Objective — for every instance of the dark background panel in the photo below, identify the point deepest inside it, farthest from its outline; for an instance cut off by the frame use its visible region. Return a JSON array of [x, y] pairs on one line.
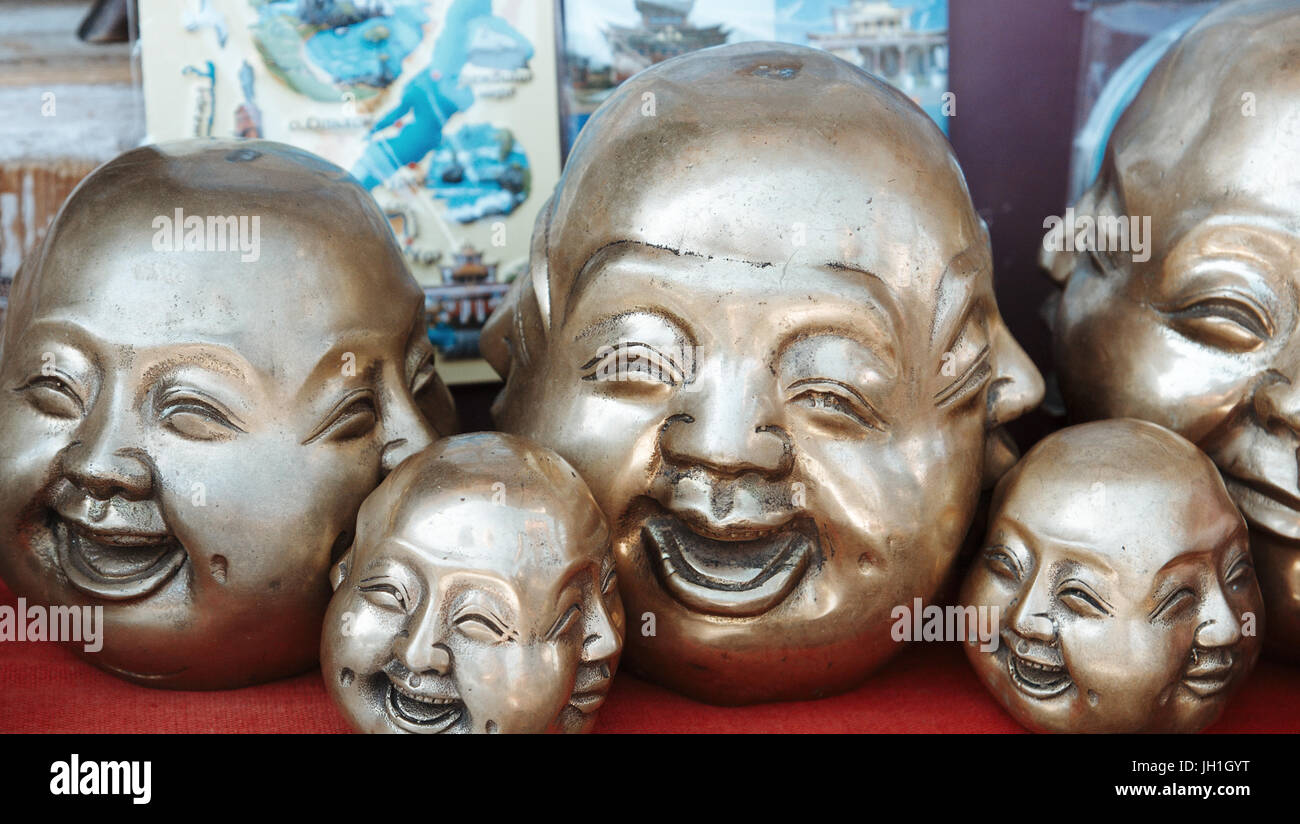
[[1013, 69]]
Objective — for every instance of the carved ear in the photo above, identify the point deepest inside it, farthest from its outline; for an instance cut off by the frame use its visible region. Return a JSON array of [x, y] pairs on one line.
[[1059, 264], [340, 570], [524, 315]]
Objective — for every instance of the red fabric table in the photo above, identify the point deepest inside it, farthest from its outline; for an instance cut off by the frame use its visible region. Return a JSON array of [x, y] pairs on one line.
[[929, 688]]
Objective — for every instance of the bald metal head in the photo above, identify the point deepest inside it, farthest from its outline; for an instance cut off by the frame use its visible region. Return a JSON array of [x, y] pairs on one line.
[[1222, 105], [1127, 489], [490, 500], [771, 154], [319, 234]]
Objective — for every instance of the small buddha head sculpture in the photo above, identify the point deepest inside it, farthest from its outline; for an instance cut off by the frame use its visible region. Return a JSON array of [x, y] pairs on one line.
[[1123, 583], [760, 321], [480, 596], [1199, 330], [214, 356]]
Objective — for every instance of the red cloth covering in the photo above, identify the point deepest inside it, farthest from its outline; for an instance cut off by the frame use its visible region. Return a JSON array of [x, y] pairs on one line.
[[929, 688]]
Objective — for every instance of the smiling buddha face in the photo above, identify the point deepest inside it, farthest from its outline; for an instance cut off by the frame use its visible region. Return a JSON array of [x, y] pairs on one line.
[[1204, 337], [1123, 580], [186, 435], [480, 596], [760, 322]]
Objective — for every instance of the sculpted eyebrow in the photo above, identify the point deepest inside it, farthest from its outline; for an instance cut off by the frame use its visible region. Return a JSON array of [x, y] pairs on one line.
[[964, 265], [840, 266], [606, 324]]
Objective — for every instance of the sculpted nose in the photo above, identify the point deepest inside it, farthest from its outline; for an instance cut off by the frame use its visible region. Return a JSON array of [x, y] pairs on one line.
[[603, 641], [1030, 617], [104, 474], [1278, 402], [420, 651], [730, 426], [1218, 627], [1018, 385], [104, 463], [408, 432]]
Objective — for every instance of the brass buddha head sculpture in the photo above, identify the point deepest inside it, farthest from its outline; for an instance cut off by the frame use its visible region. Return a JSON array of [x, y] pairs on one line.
[[760, 322], [1201, 331], [480, 596], [214, 356], [1122, 577]]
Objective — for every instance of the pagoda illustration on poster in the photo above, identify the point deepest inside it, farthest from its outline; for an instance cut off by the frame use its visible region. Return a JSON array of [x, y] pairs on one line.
[[905, 42]]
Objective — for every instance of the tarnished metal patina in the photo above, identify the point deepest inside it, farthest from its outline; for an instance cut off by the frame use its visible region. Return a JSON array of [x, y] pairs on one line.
[[1121, 574], [480, 596], [1200, 331], [759, 319], [216, 354]]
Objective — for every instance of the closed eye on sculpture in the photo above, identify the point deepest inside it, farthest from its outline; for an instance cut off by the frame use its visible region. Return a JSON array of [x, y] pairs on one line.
[[835, 402], [968, 383], [634, 362], [53, 396], [1240, 572], [1002, 563], [1174, 604], [384, 593], [197, 416], [1082, 599], [565, 622], [1233, 321], [480, 625], [353, 417]]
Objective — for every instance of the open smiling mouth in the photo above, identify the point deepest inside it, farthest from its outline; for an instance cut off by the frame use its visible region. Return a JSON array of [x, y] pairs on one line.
[[116, 565], [1036, 678], [727, 577], [421, 714]]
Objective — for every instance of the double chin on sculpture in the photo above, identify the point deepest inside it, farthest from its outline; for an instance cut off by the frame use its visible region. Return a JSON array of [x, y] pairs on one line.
[[187, 430], [761, 324]]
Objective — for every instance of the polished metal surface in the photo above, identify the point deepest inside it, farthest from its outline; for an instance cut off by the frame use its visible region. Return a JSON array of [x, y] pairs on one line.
[[480, 596], [1122, 576], [760, 321], [1204, 336], [191, 413]]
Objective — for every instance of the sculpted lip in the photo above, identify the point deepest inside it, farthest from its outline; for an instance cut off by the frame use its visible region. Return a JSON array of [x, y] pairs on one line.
[[1038, 676], [1210, 676], [421, 714], [588, 697], [590, 700], [742, 577], [116, 564]]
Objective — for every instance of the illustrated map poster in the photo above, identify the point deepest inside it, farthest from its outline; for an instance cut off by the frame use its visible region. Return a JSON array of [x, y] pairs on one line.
[[606, 41], [445, 110]]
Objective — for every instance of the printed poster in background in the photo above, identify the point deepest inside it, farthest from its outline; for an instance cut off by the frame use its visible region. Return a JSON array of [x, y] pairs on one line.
[[607, 41], [445, 110]]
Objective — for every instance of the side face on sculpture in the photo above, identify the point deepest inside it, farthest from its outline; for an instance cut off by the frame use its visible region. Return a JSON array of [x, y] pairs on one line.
[[214, 357], [480, 596], [1123, 582], [760, 322], [1201, 331]]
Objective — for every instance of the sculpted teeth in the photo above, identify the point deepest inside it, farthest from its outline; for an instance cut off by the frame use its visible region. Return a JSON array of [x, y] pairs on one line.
[[1037, 679], [116, 565]]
